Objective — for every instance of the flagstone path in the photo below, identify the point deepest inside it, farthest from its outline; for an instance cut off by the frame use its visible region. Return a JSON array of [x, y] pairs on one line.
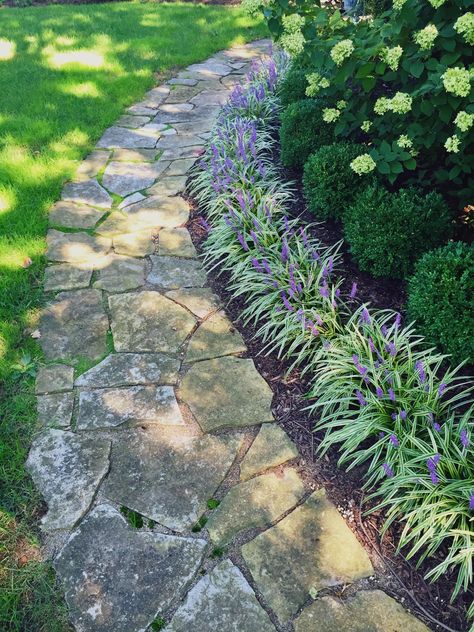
[[146, 406]]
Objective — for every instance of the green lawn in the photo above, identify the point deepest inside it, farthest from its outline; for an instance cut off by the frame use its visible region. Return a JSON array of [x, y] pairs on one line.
[[66, 73]]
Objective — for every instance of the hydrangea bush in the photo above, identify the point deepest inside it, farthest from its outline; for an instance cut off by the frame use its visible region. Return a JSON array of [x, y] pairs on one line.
[[406, 80]]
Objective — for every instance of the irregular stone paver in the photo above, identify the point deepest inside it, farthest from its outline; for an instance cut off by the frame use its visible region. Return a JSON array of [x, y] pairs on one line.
[[182, 81], [175, 272], [224, 601], [176, 242], [154, 212], [128, 369], [180, 167], [141, 109], [367, 611], [199, 300], [87, 192], [148, 321], [74, 215], [169, 474], [254, 504], [124, 178], [167, 186], [135, 155], [210, 68], [180, 94], [109, 407], [92, 164], [55, 378], [137, 244], [75, 324], [174, 142], [55, 409], [67, 469], [131, 199], [156, 96], [124, 138], [120, 273], [133, 121], [271, 447], [310, 549], [174, 108], [227, 392], [66, 277], [211, 97], [215, 337], [119, 578], [77, 248], [177, 153]]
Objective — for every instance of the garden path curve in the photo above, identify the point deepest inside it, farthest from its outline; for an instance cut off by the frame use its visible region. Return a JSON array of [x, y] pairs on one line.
[[174, 500]]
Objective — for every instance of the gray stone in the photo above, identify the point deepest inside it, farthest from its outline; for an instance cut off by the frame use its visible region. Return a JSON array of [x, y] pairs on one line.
[[178, 153], [131, 199], [74, 216], [137, 244], [176, 272], [227, 392], [181, 94], [172, 142], [168, 474], [55, 378], [124, 138], [77, 248], [75, 324], [311, 549], [133, 121], [176, 242], [119, 578], [135, 155], [199, 301], [209, 68], [196, 127], [272, 447], [211, 97], [215, 337], [208, 113], [55, 409], [182, 81], [367, 611], [139, 109], [175, 108], [167, 186], [180, 167], [67, 469], [221, 600], [124, 178], [87, 192], [65, 277], [110, 407], [120, 273], [156, 96], [92, 164], [254, 504], [127, 369], [148, 321]]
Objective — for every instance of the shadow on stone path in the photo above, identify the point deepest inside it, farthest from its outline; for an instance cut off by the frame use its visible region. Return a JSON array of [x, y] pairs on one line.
[[146, 406]]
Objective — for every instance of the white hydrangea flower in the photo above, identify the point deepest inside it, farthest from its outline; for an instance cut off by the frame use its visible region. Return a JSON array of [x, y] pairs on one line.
[[330, 115], [457, 81], [341, 104], [398, 4], [366, 125], [404, 142], [436, 3], [401, 103], [363, 164], [341, 51], [391, 56], [426, 37], [464, 121], [464, 25], [452, 144], [382, 105], [316, 82]]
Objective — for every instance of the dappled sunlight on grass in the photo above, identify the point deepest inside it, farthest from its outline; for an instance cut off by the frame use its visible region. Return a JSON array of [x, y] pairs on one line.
[[87, 58], [7, 49]]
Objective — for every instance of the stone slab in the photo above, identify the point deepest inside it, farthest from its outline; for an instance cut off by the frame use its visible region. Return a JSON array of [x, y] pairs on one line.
[[123, 178], [255, 504], [311, 549], [175, 108], [182, 94], [156, 96], [110, 407], [66, 277], [87, 192], [76, 248], [178, 153], [137, 244], [92, 164], [67, 469], [168, 186], [201, 301], [271, 447], [176, 242], [135, 155], [182, 81], [74, 215], [128, 369], [173, 142], [195, 127], [148, 321], [227, 392], [222, 600], [74, 325], [154, 212], [209, 68], [140, 109], [211, 97], [55, 378], [215, 337], [120, 273], [119, 578], [131, 199], [367, 611], [180, 167], [175, 272], [123, 138], [133, 120], [55, 410], [168, 473]]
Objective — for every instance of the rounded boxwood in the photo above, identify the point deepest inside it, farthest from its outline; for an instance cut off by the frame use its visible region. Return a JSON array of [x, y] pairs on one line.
[[387, 232], [293, 87], [303, 131], [441, 299], [329, 184]]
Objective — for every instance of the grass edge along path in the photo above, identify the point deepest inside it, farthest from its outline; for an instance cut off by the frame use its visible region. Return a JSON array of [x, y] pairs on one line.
[[66, 73]]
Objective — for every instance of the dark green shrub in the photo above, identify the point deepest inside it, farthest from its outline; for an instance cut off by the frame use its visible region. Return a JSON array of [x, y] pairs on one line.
[[303, 131], [387, 232], [376, 7], [293, 86], [441, 299], [328, 181]]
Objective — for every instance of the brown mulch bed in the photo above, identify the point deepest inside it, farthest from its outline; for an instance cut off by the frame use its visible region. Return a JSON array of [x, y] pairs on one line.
[[397, 576]]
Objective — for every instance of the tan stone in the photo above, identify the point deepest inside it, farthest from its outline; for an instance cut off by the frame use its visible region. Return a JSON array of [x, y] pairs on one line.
[[137, 244], [65, 276], [120, 273], [81, 249], [272, 447], [176, 242], [74, 215], [199, 300], [215, 337]]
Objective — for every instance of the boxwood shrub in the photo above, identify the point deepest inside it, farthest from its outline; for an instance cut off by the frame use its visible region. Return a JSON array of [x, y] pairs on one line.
[[329, 185], [387, 232], [293, 86], [441, 299], [303, 131]]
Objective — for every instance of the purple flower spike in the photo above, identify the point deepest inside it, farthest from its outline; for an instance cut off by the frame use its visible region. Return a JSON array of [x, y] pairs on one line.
[[324, 291], [471, 502], [242, 241], [365, 316], [464, 438], [431, 465], [391, 349], [257, 265], [421, 371], [398, 320], [436, 426], [394, 440], [384, 330], [388, 470], [391, 394], [403, 414], [379, 392], [284, 251], [205, 224], [286, 302], [360, 398], [394, 416], [353, 290], [441, 389], [372, 346]]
